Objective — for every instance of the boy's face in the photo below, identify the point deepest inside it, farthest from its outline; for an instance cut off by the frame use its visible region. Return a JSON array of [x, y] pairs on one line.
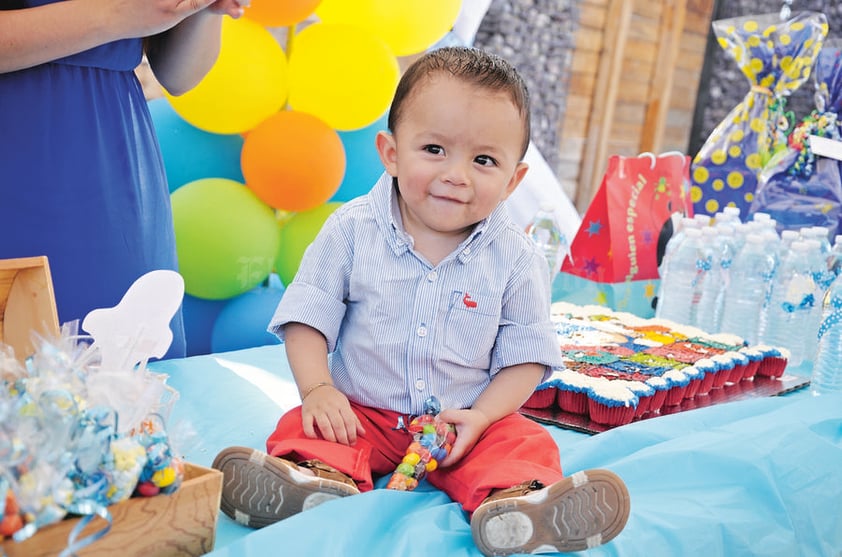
[[456, 154]]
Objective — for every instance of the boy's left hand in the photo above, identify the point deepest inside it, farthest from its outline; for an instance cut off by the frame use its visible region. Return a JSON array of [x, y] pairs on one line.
[[470, 425]]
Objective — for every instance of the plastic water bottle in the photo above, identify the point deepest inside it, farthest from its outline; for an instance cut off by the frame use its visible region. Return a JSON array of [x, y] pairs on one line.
[[681, 287], [751, 276], [827, 371], [547, 235], [709, 315], [785, 322], [823, 278]]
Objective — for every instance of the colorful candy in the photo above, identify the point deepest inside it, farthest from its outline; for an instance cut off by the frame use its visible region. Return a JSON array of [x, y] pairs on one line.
[[432, 440]]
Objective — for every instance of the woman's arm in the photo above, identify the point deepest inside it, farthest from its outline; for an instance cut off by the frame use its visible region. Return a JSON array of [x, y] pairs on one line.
[[181, 56], [33, 36]]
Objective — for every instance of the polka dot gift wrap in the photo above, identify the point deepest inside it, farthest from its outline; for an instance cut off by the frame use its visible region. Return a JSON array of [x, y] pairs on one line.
[[777, 57]]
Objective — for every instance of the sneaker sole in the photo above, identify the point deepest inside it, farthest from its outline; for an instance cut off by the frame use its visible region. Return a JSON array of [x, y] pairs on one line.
[[581, 511], [259, 490]]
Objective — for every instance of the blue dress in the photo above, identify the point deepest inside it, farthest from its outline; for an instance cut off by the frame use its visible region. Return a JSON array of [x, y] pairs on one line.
[[82, 180]]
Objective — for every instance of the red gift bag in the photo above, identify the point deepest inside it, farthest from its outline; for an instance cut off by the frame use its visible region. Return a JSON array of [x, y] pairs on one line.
[[615, 254]]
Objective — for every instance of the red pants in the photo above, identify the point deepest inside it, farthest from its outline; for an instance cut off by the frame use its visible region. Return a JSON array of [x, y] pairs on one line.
[[511, 451]]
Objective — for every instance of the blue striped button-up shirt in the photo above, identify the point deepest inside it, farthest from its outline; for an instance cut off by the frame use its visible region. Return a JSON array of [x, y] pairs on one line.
[[399, 329]]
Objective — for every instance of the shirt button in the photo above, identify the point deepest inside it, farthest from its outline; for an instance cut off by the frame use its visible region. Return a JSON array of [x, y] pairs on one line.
[[420, 384], [421, 331], [466, 251], [432, 276]]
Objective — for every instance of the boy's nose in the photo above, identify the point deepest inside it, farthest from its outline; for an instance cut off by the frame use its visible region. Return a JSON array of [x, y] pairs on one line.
[[456, 173]]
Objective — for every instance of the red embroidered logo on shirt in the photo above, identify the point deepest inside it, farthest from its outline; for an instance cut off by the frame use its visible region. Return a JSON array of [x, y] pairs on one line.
[[469, 303]]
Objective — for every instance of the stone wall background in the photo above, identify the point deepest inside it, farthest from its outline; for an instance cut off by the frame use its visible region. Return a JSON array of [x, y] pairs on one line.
[[537, 37], [723, 85]]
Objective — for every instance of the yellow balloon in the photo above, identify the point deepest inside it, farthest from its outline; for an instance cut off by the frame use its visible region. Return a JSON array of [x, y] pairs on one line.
[[247, 83], [407, 26], [341, 74]]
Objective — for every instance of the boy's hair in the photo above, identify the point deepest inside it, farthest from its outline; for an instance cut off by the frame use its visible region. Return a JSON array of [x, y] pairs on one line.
[[473, 66]]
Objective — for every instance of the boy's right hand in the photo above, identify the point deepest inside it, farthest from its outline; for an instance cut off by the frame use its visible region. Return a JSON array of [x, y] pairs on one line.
[[330, 411]]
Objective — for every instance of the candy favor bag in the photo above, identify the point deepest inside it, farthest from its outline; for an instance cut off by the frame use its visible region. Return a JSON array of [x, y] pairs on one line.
[[777, 57], [615, 254], [798, 188]]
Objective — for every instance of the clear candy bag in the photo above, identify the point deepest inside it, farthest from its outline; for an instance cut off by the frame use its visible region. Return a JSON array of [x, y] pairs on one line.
[[777, 57], [797, 188]]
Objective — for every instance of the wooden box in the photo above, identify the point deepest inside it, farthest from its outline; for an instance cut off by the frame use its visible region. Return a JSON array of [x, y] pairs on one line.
[[182, 523], [27, 303]]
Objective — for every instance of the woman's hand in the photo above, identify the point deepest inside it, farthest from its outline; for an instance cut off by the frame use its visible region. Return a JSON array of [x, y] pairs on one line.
[[327, 409]]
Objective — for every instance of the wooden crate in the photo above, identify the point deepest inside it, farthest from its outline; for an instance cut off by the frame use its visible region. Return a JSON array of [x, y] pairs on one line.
[[27, 303], [182, 523]]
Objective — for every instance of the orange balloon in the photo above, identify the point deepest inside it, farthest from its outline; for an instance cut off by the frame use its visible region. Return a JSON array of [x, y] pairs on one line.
[[293, 161], [280, 13]]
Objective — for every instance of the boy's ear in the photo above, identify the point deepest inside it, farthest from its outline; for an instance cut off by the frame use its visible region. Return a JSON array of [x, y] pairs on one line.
[[388, 151], [517, 177]]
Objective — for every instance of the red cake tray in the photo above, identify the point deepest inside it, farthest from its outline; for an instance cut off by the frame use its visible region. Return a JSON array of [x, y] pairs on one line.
[[758, 386]]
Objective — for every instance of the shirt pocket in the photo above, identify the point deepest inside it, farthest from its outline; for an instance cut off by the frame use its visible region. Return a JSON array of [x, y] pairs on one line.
[[471, 326]]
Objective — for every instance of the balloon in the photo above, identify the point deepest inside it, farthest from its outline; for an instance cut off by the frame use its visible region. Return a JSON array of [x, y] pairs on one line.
[[243, 320], [247, 83], [296, 234], [293, 161], [363, 166], [190, 153], [225, 236], [277, 13], [341, 74], [408, 26], [199, 317]]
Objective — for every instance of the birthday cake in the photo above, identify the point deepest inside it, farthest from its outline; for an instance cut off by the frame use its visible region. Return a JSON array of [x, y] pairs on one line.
[[619, 366]]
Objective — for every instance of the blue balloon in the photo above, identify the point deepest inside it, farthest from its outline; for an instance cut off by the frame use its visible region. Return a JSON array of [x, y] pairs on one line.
[[363, 166], [243, 320], [190, 153], [199, 317]]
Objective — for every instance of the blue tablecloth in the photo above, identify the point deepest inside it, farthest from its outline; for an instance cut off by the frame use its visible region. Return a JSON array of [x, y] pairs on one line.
[[754, 477]]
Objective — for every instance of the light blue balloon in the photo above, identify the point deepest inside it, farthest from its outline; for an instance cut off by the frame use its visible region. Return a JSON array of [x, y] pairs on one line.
[[362, 166], [243, 320], [199, 317], [190, 153]]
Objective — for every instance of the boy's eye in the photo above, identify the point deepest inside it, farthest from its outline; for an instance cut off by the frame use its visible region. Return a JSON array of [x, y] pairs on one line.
[[485, 160], [434, 149]]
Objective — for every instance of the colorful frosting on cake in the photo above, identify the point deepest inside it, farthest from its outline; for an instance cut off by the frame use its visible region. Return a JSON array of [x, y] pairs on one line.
[[620, 366]]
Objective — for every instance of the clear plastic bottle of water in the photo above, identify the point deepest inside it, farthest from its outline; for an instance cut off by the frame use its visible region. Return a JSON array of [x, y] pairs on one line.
[[785, 322], [751, 276], [547, 235], [709, 315], [827, 371], [681, 287], [823, 278]]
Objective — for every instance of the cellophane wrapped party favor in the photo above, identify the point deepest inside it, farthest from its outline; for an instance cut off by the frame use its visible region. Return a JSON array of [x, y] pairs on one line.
[[797, 188], [777, 57], [79, 433]]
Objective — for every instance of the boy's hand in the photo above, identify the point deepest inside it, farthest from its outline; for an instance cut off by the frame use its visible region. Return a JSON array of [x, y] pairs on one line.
[[470, 425], [327, 409]]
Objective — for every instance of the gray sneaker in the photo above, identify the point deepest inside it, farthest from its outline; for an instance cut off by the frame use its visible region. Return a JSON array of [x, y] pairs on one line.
[[581, 511], [259, 490]]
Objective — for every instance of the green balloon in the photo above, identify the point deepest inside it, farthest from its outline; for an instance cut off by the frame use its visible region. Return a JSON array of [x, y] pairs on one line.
[[296, 234], [225, 235]]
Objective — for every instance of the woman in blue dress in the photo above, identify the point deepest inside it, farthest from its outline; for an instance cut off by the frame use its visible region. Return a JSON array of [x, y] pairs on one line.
[[81, 175]]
